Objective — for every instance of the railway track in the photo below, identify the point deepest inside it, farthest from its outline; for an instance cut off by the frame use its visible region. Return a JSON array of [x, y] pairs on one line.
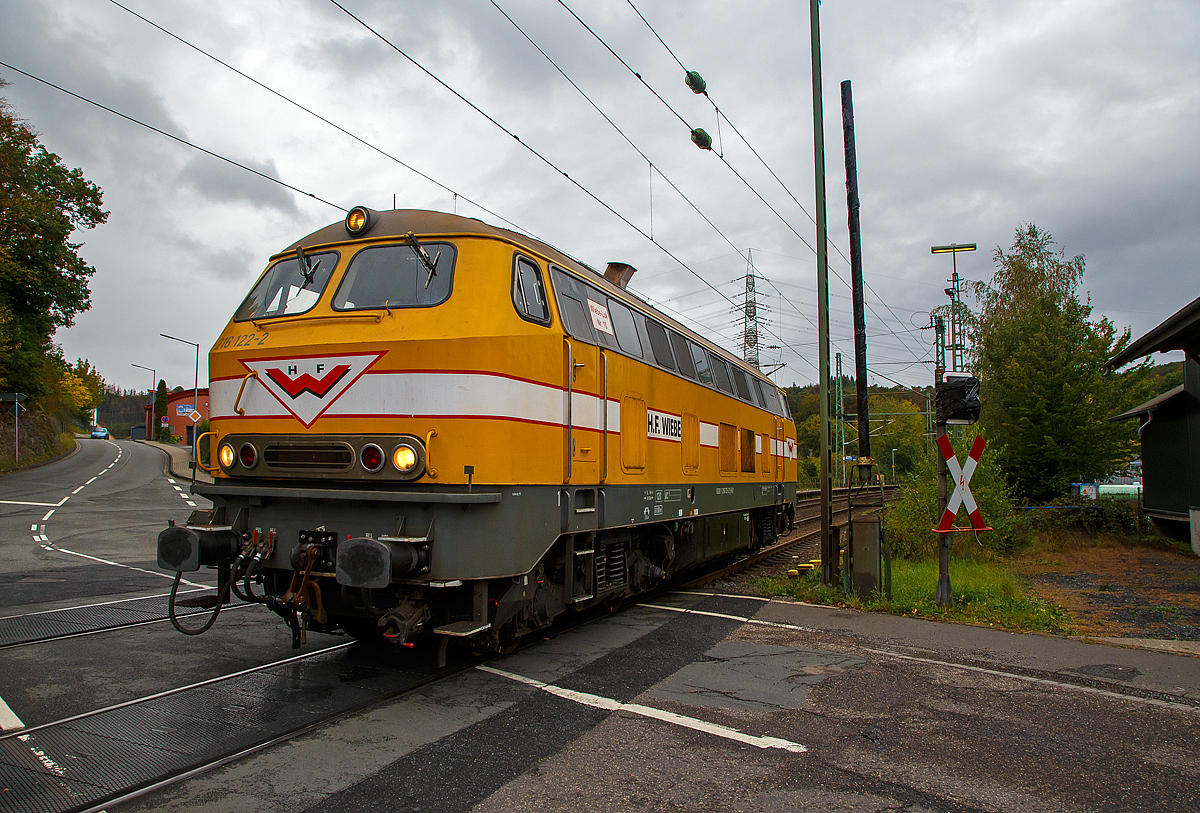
[[797, 547], [89, 619], [91, 760]]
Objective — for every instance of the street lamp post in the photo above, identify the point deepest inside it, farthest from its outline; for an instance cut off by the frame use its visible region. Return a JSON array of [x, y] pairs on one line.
[[153, 382], [196, 395]]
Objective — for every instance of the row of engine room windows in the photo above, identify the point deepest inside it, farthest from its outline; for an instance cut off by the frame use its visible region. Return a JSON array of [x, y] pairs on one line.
[[592, 316]]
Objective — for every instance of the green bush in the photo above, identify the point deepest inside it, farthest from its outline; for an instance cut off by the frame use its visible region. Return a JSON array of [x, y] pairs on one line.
[[912, 512]]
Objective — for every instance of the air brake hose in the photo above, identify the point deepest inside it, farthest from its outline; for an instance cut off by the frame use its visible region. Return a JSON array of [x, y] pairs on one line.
[[222, 591]]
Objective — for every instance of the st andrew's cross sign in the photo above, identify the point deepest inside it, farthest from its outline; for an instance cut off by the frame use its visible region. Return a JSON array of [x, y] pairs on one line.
[[962, 487]]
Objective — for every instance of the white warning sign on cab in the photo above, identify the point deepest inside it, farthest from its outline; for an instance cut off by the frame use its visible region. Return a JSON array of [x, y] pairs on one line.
[[600, 319]]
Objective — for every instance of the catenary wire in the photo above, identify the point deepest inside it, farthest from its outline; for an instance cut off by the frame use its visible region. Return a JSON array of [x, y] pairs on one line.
[[721, 156], [316, 115], [174, 137], [620, 132], [529, 148]]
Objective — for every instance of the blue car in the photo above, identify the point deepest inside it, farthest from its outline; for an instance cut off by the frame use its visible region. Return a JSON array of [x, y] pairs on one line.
[[100, 432]]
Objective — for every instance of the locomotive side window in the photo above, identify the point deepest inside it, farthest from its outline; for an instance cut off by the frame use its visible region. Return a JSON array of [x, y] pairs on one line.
[[701, 360], [576, 319], [660, 344], [529, 294], [289, 287], [721, 374], [622, 320], [682, 355], [739, 381], [768, 401], [395, 277], [601, 318]]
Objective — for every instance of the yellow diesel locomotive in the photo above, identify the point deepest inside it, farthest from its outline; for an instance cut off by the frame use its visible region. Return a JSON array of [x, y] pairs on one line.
[[423, 424]]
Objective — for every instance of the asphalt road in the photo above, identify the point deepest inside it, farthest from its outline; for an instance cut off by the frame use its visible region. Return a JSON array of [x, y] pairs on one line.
[[714, 703], [80, 533], [692, 701], [85, 527]]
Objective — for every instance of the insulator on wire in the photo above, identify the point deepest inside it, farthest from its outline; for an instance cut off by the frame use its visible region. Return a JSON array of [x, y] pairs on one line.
[[695, 81], [701, 139]]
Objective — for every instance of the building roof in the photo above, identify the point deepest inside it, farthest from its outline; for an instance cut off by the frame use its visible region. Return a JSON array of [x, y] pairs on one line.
[[1179, 332], [1150, 405]]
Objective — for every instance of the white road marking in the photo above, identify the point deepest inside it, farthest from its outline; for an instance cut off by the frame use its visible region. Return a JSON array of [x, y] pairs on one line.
[[595, 701], [9, 721], [169, 480], [127, 567], [763, 599], [887, 653], [192, 504], [76, 491], [48, 515], [33, 527], [38, 504], [89, 482], [1044, 681]]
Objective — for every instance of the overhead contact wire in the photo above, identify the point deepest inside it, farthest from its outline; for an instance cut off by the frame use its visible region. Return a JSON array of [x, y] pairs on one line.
[[784, 186], [174, 137], [532, 151], [316, 115], [620, 132]]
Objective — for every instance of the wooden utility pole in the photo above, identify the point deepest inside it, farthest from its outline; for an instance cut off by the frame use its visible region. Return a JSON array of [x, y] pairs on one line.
[[830, 549]]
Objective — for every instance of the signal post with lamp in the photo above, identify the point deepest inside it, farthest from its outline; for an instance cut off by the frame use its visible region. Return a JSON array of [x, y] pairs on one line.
[[956, 401]]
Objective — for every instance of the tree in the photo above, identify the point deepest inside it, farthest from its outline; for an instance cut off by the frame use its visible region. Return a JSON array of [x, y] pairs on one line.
[[160, 408], [1039, 356], [43, 280]]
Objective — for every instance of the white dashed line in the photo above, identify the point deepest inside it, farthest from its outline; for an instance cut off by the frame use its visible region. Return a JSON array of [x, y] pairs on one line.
[[595, 701], [89, 482], [192, 504], [33, 527], [76, 491], [48, 514]]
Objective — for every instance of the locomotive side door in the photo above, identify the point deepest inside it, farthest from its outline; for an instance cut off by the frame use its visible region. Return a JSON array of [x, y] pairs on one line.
[[780, 450], [583, 388]]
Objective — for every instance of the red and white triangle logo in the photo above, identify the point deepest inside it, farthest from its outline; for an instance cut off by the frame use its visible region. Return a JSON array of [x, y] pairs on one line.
[[309, 385]]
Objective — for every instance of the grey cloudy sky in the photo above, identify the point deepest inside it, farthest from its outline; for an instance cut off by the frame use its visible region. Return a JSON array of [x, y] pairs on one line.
[[971, 119]]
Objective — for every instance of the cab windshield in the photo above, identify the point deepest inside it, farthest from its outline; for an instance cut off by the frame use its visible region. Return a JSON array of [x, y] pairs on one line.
[[290, 286]]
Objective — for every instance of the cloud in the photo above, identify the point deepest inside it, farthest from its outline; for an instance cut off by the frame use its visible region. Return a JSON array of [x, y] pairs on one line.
[[222, 182]]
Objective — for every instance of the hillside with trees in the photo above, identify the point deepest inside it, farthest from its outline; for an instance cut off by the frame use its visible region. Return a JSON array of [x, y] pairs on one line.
[[43, 287]]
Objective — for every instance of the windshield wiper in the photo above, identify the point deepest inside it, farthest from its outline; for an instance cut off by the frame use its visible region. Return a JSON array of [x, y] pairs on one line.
[[307, 269], [423, 256]]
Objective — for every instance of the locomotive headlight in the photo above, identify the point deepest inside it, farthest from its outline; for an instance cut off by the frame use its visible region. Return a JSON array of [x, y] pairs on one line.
[[225, 456], [358, 220], [405, 459]]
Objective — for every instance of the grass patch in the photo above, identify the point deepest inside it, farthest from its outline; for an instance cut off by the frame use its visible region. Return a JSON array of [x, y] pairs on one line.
[[985, 593]]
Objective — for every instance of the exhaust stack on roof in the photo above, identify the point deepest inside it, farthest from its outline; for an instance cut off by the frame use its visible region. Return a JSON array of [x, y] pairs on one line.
[[619, 274]]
